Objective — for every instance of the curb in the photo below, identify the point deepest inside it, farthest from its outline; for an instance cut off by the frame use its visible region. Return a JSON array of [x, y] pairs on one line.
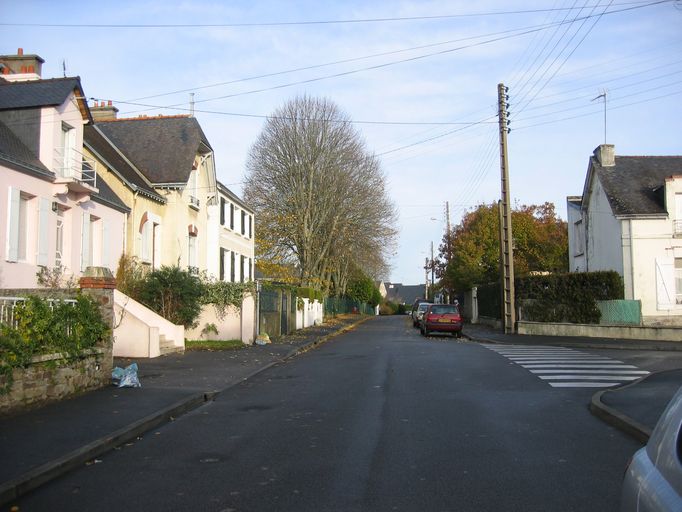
[[617, 419], [15, 488]]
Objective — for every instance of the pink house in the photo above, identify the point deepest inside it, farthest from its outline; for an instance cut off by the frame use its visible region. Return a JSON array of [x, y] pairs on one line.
[[53, 209]]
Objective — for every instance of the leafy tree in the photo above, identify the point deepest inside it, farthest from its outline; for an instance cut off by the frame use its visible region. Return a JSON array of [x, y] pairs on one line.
[[362, 289], [540, 244], [320, 197]]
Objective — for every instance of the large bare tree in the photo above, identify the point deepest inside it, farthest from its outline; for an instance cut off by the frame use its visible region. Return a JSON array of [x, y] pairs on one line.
[[319, 196]]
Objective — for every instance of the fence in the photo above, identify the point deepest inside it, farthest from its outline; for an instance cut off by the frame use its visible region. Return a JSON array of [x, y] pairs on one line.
[[341, 305], [8, 306], [620, 312]]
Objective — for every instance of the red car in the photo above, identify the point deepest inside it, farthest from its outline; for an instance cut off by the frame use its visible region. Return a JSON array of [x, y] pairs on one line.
[[442, 318]]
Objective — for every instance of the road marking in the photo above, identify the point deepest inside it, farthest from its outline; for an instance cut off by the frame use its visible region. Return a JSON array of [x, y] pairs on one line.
[[562, 367]]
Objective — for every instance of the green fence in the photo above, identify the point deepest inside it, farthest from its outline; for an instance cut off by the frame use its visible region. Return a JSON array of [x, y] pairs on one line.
[[340, 305], [620, 312]]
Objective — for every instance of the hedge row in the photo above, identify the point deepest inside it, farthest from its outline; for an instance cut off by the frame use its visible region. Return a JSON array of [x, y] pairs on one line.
[[568, 297]]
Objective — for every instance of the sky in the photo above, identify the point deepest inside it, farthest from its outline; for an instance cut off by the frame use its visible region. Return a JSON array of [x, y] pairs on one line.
[[418, 78]]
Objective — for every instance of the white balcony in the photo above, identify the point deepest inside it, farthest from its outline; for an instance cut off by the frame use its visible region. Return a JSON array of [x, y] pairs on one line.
[[194, 203], [677, 228], [75, 170]]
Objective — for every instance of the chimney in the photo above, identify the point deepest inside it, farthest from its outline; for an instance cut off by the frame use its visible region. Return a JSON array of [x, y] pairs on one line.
[[28, 66], [605, 155], [104, 111]]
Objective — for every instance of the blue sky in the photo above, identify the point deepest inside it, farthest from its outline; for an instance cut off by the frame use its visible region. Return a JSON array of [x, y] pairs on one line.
[[409, 74]]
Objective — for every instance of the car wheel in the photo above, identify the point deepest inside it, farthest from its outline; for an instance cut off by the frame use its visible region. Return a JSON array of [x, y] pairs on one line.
[[458, 334]]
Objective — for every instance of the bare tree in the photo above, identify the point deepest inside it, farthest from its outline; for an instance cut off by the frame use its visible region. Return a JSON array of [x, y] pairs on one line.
[[319, 196]]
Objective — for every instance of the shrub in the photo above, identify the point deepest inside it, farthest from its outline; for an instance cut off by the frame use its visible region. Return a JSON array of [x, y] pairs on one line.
[[223, 295], [175, 294], [66, 328]]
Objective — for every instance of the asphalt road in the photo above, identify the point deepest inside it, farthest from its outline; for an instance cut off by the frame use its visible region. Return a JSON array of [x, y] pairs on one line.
[[379, 419]]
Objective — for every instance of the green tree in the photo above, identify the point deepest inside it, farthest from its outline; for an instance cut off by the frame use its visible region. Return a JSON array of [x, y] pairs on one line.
[[540, 244], [362, 289]]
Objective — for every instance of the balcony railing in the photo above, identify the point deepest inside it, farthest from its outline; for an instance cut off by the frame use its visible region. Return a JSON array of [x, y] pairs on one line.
[[194, 202], [71, 165], [677, 228]]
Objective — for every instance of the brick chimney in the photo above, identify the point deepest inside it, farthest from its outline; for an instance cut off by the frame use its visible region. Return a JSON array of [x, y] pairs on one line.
[[103, 112], [605, 155], [26, 67]]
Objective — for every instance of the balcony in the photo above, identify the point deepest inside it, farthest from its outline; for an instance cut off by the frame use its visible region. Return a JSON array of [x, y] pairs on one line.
[[194, 203], [75, 170]]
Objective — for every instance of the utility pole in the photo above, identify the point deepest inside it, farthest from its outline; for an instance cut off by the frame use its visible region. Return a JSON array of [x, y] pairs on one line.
[[506, 248], [448, 245], [432, 264], [426, 278]]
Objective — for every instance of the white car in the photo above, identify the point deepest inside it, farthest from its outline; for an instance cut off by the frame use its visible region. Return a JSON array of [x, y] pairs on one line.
[[653, 480]]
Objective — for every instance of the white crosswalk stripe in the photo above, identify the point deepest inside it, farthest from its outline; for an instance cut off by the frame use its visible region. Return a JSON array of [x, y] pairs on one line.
[[564, 367]]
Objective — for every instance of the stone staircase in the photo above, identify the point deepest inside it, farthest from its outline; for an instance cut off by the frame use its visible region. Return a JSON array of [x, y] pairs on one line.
[[168, 347]]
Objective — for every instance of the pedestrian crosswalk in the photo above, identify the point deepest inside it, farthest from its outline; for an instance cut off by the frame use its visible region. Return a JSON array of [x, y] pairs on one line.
[[564, 367]]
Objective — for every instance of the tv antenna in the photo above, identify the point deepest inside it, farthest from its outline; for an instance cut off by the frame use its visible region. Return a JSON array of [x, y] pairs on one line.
[[603, 95]]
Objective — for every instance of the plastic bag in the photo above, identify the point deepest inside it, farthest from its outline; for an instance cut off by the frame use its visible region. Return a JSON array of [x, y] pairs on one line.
[[126, 377]]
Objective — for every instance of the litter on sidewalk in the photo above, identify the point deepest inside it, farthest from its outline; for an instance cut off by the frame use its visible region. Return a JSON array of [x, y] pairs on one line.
[[126, 377]]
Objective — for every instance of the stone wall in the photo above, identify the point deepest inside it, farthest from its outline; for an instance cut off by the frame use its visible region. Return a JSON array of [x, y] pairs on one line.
[[50, 378]]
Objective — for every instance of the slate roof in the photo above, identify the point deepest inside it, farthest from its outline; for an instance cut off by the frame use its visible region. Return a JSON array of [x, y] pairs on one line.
[[400, 293], [37, 93], [99, 144], [635, 185], [163, 147], [108, 197], [14, 152]]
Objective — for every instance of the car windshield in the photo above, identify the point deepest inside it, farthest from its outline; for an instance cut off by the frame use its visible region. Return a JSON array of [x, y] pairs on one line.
[[443, 309], [423, 306]]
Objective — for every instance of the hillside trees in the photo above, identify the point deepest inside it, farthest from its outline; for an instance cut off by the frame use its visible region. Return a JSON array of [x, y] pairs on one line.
[[319, 196], [540, 244]]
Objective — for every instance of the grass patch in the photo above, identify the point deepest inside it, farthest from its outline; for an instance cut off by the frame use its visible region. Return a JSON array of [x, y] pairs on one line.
[[213, 344]]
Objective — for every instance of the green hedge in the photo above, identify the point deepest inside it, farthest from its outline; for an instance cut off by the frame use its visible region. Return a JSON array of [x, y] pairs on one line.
[[567, 297], [309, 293]]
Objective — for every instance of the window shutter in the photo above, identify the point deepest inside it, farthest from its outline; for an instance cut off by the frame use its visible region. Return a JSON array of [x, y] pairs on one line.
[[85, 242], [222, 264], [231, 216], [13, 225], [665, 283], [106, 245], [43, 231], [222, 211]]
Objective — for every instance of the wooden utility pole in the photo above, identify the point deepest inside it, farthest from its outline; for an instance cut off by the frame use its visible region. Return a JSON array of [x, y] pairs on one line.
[[506, 245], [426, 278]]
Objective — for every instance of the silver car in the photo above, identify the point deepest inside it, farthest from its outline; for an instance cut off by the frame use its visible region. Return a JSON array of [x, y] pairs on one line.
[[653, 480]]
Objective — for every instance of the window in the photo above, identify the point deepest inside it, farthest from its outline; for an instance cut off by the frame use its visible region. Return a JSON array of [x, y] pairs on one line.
[[678, 280], [578, 238], [17, 225], [59, 245], [192, 251], [146, 242], [68, 161], [232, 259]]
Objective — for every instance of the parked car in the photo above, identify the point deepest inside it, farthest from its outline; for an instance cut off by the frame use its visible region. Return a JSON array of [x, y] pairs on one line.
[[418, 312], [441, 318], [653, 479]]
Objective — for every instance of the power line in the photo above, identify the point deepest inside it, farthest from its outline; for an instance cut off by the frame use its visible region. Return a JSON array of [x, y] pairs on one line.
[[519, 32], [295, 23]]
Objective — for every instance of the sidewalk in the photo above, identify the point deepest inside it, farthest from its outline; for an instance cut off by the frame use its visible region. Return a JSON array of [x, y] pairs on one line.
[[634, 407], [44, 443]]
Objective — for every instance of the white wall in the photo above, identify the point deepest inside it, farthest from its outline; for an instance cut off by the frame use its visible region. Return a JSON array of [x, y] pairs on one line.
[[603, 230], [22, 274]]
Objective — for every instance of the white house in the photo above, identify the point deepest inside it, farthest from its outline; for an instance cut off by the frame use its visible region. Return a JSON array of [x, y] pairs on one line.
[[53, 210], [629, 219]]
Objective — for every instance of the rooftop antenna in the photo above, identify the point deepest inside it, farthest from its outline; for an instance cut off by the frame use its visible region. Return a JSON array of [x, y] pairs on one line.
[[64, 67], [191, 104], [603, 95]]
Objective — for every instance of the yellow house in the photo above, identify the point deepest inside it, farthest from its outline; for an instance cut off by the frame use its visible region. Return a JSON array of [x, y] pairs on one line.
[[163, 169]]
